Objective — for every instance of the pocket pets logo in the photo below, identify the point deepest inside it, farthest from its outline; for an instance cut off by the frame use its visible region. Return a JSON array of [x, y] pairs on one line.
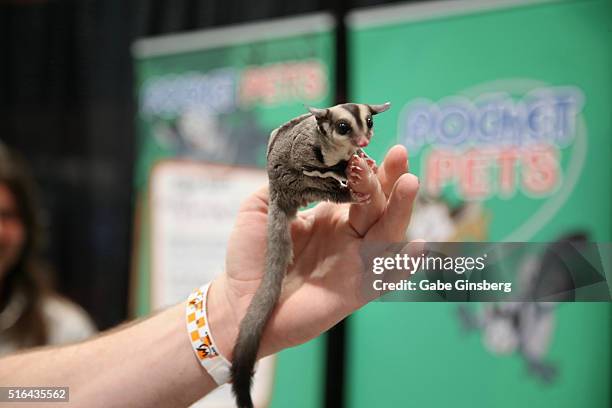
[[518, 142]]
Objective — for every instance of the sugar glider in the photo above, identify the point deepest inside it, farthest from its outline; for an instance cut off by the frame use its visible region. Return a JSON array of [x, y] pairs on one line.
[[528, 325], [308, 160]]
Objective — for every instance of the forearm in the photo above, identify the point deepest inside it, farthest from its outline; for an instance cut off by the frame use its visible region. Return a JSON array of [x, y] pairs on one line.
[[148, 364]]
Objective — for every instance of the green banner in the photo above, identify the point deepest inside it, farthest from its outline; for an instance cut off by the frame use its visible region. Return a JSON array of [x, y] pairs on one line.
[[505, 110], [207, 102]]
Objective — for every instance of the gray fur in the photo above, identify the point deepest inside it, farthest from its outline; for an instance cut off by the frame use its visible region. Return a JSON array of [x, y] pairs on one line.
[[296, 177]]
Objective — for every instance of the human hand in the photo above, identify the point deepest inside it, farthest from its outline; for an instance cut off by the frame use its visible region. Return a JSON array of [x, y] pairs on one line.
[[323, 284]]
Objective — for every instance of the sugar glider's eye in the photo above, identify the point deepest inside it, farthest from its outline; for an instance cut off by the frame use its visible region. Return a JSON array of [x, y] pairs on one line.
[[369, 122], [343, 128]]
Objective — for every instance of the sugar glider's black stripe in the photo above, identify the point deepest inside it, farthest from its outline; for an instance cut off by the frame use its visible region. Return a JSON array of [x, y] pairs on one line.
[[338, 168], [318, 153], [354, 110]]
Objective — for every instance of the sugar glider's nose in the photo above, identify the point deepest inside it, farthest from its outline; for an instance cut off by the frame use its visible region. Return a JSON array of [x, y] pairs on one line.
[[362, 142]]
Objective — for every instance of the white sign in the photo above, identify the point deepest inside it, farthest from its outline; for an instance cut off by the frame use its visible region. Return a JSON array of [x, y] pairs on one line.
[[193, 208]]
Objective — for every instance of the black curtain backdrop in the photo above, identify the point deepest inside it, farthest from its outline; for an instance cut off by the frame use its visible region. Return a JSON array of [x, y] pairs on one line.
[[66, 104]]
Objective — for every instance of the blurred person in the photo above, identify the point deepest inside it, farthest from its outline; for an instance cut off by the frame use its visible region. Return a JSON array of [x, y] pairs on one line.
[[31, 312]]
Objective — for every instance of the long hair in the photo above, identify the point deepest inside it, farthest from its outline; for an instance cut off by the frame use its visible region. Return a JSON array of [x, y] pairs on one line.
[[28, 276]]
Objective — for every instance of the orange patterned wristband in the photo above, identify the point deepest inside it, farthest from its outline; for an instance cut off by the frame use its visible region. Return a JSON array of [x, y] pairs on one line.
[[201, 338]]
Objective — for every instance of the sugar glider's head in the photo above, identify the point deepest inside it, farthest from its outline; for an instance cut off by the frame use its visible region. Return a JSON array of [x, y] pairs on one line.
[[348, 123]]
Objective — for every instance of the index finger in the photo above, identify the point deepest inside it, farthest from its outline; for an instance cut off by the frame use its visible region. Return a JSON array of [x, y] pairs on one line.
[[257, 201], [394, 165]]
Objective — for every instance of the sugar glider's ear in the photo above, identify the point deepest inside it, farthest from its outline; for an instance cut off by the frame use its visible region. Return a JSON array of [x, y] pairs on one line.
[[319, 114], [375, 109]]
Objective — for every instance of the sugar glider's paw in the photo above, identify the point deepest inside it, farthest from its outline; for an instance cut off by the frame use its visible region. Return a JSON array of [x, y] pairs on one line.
[[369, 161], [371, 164], [354, 170], [365, 188], [359, 176]]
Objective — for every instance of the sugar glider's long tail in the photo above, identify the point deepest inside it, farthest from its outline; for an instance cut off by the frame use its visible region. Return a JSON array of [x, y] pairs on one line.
[[278, 257]]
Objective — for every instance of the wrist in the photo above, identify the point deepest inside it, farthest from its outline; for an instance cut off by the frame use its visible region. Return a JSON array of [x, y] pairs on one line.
[[221, 319]]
